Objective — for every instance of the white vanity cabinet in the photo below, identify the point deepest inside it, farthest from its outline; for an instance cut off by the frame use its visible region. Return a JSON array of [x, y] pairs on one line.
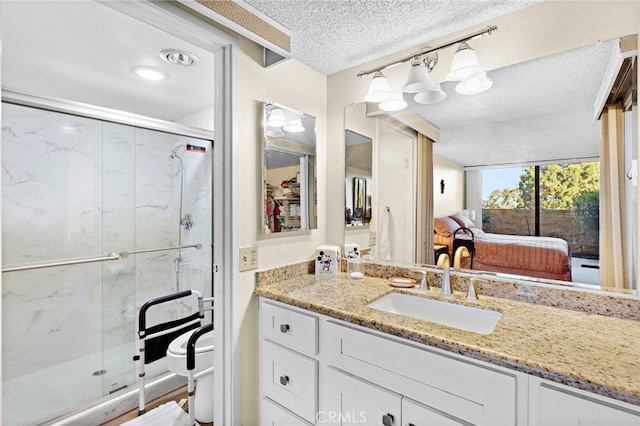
[[552, 404], [317, 370], [351, 401], [438, 387], [288, 365]]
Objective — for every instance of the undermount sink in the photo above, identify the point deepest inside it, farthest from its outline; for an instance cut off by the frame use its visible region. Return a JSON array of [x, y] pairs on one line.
[[476, 320]]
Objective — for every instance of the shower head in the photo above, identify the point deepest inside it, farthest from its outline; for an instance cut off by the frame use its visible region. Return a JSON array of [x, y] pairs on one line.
[[174, 153]]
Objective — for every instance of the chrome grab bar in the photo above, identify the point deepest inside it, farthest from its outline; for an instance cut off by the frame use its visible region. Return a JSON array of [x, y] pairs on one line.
[[110, 256], [125, 254]]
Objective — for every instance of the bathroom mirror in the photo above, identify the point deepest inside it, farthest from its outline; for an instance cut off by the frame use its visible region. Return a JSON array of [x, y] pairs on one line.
[[358, 179], [524, 146], [359, 145], [289, 170]]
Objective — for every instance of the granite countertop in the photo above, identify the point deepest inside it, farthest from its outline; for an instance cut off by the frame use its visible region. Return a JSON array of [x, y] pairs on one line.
[[591, 352]]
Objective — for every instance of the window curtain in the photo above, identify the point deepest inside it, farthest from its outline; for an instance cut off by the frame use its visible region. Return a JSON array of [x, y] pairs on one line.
[[613, 265], [473, 195], [424, 205]]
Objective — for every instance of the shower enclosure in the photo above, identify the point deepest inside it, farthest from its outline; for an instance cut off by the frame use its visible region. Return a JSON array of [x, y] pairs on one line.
[[133, 207]]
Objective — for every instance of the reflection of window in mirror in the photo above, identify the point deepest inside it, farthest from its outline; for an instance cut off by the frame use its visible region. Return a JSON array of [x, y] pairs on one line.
[[358, 176], [289, 170]]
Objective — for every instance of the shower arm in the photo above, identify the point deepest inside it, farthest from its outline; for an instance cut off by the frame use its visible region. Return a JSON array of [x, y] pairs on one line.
[[125, 254]]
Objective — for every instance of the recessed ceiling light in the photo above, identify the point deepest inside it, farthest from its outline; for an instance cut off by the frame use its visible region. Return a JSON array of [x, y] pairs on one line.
[[151, 74], [179, 57]]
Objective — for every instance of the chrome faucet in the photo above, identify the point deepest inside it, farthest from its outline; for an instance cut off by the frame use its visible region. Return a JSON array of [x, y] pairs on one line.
[[461, 252], [446, 282], [443, 260], [423, 282], [471, 291]]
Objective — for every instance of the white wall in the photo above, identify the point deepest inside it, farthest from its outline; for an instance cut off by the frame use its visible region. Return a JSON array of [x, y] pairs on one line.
[[299, 87], [395, 187], [452, 200]]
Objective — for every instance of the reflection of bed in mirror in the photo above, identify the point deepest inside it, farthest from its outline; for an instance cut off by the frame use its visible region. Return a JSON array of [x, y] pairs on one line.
[[540, 257]]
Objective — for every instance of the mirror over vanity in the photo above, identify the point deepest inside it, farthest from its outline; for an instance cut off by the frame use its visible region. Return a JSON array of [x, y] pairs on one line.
[[289, 200], [495, 130], [358, 178]]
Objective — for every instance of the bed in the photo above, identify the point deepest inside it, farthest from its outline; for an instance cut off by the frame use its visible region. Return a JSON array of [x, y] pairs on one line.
[[540, 257]]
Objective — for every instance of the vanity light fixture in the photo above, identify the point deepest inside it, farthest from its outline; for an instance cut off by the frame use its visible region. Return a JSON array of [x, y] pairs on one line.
[[465, 63], [278, 122], [378, 89], [276, 118], [395, 103], [464, 68], [294, 126]]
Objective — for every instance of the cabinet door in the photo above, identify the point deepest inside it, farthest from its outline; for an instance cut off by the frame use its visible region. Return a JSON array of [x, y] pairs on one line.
[[416, 414], [466, 391], [272, 414], [351, 401], [552, 404]]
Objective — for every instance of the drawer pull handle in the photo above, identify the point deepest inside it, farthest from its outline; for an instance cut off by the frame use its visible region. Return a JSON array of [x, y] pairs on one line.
[[284, 328], [284, 380], [387, 420]]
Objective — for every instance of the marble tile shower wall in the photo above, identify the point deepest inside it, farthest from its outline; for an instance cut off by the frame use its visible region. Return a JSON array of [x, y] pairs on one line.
[[75, 187]]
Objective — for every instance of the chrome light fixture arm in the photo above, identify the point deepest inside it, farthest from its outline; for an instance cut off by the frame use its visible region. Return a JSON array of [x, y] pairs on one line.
[[426, 50]]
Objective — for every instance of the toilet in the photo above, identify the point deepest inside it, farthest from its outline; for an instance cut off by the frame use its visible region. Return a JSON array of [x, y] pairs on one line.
[[177, 363]]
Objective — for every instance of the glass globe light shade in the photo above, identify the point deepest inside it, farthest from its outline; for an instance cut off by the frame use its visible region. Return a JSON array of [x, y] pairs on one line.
[[378, 89], [430, 96], [394, 103], [294, 126], [465, 64], [474, 85], [276, 118], [419, 79]]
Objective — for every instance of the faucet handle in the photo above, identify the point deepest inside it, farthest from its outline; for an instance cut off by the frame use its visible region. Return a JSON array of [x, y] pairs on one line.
[[471, 291], [445, 290], [424, 285]]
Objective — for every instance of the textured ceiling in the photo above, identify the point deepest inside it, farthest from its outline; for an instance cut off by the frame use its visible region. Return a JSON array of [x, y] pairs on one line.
[[333, 35], [536, 111], [49, 51]]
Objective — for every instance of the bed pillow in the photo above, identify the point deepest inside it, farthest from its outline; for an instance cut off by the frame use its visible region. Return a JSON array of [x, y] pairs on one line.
[[462, 221], [445, 226]]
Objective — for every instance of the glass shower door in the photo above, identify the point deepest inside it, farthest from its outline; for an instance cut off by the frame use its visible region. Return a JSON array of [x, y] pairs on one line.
[[76, 188], [51, 211]]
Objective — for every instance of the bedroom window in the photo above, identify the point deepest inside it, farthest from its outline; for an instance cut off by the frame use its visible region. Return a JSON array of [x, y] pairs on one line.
[[553, 200]]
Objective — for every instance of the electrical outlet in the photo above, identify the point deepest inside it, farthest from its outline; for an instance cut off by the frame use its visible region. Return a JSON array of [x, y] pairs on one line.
[[248, 258], [372, 238]]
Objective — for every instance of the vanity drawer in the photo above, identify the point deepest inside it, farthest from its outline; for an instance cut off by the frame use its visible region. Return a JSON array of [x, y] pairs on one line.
[[290, 379], [463, 390], [272, 414], [290, 328]]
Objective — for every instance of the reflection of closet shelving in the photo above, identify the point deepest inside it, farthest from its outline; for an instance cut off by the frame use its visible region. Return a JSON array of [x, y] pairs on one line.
[[290, 207], [290, 210]]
